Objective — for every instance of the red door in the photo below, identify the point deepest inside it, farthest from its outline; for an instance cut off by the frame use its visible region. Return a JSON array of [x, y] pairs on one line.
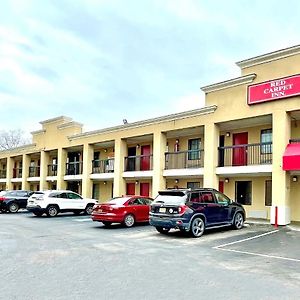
[[144, 189], [239, 154], [221, 186], [145, 159], [130, 189]]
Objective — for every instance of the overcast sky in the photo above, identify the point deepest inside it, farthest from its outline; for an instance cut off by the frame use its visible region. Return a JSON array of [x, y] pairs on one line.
[[100, 61]]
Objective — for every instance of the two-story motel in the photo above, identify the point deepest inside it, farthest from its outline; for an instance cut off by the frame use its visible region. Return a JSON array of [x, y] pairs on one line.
[[245, 142]]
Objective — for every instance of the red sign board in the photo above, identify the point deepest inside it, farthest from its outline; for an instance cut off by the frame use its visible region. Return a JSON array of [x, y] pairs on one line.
[[273, 90]]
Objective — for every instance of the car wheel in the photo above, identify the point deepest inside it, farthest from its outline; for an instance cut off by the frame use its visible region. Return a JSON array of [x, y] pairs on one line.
[[106, 224], [13, 207], [129, 220], [38, 214], [238, 221], [197, 227], [52, 211], [162, 230], [89, 209]]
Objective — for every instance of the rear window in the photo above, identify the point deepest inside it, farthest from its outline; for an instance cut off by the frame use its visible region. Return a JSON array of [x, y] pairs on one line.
[[119, 200], [10, 193], [167, 197]]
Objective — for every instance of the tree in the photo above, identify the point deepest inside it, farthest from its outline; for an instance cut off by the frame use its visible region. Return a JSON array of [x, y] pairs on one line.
[[12, 138]]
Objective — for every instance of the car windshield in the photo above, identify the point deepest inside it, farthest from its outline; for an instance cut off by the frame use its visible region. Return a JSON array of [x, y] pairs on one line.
[[8, 193], [119, 201], [170, 198]]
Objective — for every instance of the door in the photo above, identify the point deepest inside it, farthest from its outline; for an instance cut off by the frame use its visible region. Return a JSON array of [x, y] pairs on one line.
[[239, 154], [131, 159], [221, 186], [130, 189], [73, 186], [243, 192], [144, 189], [221, 150], [145, 159]]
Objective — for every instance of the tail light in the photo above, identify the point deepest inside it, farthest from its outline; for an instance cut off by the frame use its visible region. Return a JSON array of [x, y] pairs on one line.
[[2, 198], [182, 209]]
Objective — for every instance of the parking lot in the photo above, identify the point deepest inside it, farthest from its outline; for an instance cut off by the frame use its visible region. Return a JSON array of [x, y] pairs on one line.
[[71, 257]]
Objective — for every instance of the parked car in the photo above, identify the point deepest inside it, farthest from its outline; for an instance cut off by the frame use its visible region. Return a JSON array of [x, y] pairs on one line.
[[55, 201], [13, 200], [193, 211], [127, 210]]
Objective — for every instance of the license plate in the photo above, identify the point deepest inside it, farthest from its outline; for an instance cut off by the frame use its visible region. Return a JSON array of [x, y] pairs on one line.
[[99, 210], [162, 210]]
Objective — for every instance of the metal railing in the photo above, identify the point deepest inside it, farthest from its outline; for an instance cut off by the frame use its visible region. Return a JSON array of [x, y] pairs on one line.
[[74, 168], [184, 159], [34, 171], [247, 154], [17, 172], [52, 170], [3, 173], [103, 165], [138, 163]]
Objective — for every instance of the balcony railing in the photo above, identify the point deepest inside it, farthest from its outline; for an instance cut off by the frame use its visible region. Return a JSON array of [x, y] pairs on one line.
[[138, 163], [184, 159], [74, 168], [17, 172], [294, 141], [3, 173], [52, 170], [34, 171], [103, 166], [247, 154]]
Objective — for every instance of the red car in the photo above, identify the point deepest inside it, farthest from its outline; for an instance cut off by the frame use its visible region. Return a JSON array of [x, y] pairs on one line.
[[126, 210]]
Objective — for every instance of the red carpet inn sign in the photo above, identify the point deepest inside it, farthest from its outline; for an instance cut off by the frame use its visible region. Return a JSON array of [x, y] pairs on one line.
[[275, 89]]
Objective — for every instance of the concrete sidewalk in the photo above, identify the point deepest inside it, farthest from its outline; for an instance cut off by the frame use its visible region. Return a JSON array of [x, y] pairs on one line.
[[293, 225]]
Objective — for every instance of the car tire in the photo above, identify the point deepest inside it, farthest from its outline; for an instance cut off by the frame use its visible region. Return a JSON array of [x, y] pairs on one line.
[[238, 221], [52, 211], [129, 220], [38, 214], [89, 209], [13, 207], [197, 227], [106, 224], [162, 230]]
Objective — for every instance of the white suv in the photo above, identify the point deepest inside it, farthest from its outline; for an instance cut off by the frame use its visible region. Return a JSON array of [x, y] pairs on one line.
[[53, 202]]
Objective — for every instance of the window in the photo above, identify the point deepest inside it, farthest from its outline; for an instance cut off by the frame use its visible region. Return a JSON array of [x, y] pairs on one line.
[[195, 197], [73, 196], [266, 137], [194, 149], [221, 198], [207, 197], [268, 193], [193, 185]]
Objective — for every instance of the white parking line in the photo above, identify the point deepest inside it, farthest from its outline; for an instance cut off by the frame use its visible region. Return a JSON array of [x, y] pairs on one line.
[[82, 220], [221, 247], [247, 239]]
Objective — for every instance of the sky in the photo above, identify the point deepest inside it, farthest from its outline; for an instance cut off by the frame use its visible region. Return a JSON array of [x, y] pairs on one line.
[[102, 61]]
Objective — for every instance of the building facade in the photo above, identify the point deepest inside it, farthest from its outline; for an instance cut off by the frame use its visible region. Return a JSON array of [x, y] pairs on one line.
[[245, 142]]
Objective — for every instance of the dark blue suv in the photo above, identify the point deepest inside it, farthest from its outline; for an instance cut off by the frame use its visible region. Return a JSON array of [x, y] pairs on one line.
[[194, 211]]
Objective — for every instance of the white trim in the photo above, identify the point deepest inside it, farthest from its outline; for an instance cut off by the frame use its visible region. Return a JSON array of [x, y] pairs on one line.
[[3, 180], [38, 132], [73, 177], [56, 119], [167, 118], [16, 180], [102, 176], [33, 179], [51, 178], [259, 170], [138, 174], [183, 172], [228, 83], [265, 58], [69, 124]]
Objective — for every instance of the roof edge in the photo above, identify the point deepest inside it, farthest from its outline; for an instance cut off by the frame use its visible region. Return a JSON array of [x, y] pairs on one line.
[[229, 83], [56, 119], [268, 57]]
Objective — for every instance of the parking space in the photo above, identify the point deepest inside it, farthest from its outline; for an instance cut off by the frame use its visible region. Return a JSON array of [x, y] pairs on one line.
[[75, 254]]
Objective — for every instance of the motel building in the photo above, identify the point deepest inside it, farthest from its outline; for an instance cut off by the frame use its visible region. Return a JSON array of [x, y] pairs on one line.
[[244, 142]]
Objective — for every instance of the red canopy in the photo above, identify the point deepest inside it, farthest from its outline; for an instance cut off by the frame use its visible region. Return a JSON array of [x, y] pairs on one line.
[[291, 157]]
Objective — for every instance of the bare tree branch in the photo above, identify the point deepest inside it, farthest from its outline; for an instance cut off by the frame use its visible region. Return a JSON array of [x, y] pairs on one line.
[[11, 139]]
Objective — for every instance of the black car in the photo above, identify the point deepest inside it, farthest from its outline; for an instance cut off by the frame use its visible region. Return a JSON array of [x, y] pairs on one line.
[[194, 211], [13, 200]]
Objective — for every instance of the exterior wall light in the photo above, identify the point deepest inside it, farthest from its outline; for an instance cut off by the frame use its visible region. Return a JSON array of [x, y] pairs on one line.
[[226, 180], [176, 180], [136, 182], [228, 134], [295, 178], [104, 182]]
